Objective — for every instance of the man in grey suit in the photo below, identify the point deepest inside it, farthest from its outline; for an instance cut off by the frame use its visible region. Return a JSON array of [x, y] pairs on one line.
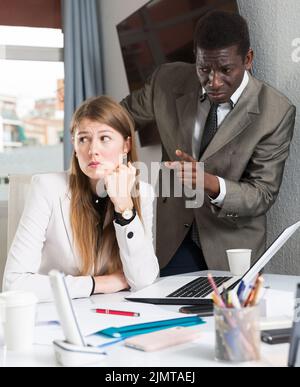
[[238, 126]]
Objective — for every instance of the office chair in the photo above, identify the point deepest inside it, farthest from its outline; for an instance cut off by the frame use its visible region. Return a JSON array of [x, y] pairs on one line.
[[18, 189]]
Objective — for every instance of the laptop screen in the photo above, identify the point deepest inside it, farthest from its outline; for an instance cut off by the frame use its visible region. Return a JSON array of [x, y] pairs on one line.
[[270, 252]]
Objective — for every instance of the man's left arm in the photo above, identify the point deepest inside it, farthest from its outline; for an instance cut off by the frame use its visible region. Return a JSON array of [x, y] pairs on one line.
[[257, 190]]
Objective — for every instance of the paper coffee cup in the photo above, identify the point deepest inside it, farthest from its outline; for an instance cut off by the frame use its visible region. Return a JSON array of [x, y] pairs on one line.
[[239, 261], [18, 311]]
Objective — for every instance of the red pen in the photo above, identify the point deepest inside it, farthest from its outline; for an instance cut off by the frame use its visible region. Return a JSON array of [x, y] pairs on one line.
[[213, 285], [116, 312]]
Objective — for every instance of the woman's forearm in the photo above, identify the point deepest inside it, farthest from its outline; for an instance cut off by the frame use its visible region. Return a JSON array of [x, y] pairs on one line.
[[111, 283]]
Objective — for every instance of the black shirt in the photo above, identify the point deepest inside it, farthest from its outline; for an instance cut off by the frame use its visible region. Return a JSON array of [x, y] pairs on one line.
[[100, 205]]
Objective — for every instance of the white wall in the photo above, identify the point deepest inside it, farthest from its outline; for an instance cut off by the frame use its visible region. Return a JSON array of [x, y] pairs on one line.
[[274, 25]]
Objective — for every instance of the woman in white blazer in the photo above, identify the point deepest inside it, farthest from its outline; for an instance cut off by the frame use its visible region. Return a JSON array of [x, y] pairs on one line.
[[93, 223]]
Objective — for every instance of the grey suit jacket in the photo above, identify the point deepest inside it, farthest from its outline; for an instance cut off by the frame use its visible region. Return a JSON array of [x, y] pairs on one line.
[[249, 151]]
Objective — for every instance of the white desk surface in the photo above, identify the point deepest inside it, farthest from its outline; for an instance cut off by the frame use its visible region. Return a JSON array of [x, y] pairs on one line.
[[196, 354]]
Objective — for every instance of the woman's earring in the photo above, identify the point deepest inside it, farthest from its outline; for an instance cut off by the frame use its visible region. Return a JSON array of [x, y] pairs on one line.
[[125, 158]]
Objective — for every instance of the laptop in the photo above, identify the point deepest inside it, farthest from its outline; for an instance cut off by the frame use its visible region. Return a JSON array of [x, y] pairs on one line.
[[195, 290]]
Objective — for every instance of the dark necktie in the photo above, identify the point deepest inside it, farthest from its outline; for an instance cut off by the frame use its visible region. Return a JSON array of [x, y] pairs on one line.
[[210, 128]]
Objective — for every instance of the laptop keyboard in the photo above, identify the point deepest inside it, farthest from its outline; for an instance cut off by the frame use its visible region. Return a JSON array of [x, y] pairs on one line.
[[198, 288]]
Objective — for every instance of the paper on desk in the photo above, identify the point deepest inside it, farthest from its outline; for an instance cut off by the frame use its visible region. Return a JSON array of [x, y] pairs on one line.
[[47, 311], [45, 330], [279, 303], [45, 335], [91, 322]]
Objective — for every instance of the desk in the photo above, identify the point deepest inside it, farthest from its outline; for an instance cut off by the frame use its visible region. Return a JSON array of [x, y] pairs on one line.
[[196, 354]]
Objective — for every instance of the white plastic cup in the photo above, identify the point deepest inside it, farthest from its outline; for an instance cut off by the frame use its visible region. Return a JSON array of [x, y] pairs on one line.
[[239, 261], [17, 316]]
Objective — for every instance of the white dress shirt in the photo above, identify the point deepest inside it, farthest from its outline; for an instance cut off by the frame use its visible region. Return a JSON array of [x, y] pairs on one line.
[[223, 110]]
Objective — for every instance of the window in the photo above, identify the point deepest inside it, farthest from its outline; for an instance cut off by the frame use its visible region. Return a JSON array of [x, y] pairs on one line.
[[31, 102]]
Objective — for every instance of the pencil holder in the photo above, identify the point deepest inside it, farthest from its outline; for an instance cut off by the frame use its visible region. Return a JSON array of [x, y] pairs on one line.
[[237, 334]]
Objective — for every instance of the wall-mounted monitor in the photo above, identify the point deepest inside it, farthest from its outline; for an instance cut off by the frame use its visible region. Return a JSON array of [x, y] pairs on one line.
[[160, 32]]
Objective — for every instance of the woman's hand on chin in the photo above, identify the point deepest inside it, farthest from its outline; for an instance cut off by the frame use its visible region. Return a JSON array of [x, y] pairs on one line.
[[111, 283], [119, 185]]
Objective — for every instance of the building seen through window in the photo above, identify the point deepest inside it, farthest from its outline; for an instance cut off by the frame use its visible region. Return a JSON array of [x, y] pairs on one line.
[[31, 104], [41, 125]]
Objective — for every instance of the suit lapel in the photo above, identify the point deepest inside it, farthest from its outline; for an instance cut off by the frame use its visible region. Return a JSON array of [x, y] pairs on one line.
[[65, 202], [237, 120]]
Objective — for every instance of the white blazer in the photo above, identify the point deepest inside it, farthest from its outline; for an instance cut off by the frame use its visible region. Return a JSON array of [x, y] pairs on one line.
[[44, 241]]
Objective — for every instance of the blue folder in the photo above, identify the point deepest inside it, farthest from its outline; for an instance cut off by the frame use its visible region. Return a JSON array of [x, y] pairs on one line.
[[139, 329]]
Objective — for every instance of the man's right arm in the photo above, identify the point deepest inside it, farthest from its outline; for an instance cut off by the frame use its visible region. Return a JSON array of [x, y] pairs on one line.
[[140, 103]]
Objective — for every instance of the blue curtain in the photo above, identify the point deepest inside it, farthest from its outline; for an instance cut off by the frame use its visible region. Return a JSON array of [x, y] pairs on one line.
[[82, 59]]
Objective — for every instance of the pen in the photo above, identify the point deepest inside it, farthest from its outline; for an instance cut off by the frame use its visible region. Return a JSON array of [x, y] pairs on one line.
[[235, 300], [225, 296], [216, 292], [257, 291], [241, 290], [216, 300], [250, 297], [116, 312]]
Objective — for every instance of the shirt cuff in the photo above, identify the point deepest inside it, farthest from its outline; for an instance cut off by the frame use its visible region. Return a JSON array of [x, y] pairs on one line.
[[93, 285], [124, 222], [219, 201]]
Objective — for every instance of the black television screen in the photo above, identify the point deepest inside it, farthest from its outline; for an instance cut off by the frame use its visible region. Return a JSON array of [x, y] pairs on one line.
[[160, 32]]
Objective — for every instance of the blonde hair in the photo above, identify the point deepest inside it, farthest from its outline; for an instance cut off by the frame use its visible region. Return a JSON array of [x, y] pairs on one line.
[[91, 244]]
